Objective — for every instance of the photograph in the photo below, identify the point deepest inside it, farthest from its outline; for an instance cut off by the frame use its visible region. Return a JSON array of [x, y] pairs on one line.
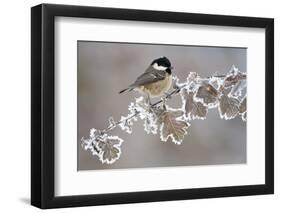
[[144, 105]]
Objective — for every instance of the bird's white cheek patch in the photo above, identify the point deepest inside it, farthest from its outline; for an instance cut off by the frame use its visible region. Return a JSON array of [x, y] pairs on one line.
[[157, 67]]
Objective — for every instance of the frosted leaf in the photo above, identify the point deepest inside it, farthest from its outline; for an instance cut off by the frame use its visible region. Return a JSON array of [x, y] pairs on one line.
[[94, 133], [228, 106], [243, 105], [106, 147], [150, 124], [109, 148], [193, 109], [216, 82], [126, 124], [148, 114], [192, 76], [171, 126], [144, 111], [237, 89], [132, 111], [233, 77], [236, 81], [243, 109], [176, 82], [89, 144], [151, 119], [142, 107], [207, 94], [192, 81]]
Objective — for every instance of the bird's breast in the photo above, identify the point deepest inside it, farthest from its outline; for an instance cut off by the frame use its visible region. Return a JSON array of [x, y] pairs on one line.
[[158, 88]]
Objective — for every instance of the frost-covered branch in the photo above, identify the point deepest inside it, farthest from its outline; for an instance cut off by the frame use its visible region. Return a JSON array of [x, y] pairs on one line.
[[198, 95]]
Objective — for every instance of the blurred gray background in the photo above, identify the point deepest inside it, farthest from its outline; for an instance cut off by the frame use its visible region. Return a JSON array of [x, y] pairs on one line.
[[106, 68]]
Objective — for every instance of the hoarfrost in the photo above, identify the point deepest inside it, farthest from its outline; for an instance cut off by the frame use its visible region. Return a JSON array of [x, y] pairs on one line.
[[173, 126], [105, 146]]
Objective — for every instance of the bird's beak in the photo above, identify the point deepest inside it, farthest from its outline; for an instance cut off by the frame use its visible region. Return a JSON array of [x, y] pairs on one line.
[[171, 67]]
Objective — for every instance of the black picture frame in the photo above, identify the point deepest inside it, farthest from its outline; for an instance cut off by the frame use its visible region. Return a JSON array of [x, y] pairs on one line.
[[43, 105]]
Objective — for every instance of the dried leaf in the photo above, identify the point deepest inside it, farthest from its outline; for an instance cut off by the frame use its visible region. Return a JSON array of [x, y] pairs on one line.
[[233, 77], [243, 105], [172, 126], [207, 93], [190, 81], [238, 88], [149, 114], [109, 148], [193, 109], [228, 106], [216, 81], [243, 109], [126, 124], [105, 146]]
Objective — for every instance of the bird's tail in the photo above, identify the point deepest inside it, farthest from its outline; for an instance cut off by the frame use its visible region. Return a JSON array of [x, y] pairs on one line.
[[127, 89]]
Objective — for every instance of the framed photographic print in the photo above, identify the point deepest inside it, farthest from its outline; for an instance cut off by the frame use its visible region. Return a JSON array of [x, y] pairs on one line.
[[139, 106]]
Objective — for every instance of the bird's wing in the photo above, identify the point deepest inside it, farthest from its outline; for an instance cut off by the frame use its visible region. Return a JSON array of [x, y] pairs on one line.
[[149, 69], [149, 76]]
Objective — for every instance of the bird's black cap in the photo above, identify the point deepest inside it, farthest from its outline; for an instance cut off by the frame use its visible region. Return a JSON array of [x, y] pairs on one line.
[[163, 61]]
